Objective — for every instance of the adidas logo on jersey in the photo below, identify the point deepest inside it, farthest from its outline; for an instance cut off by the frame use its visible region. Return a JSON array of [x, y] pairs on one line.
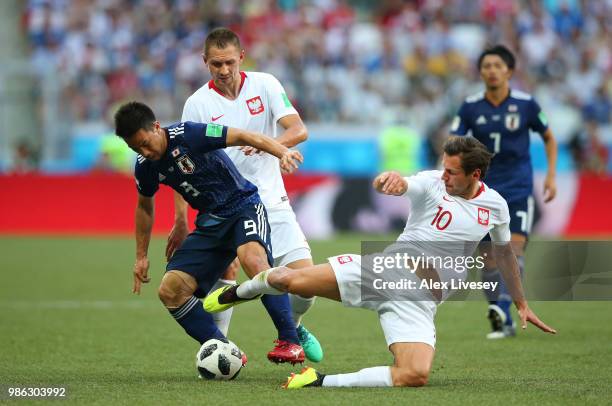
[[481, 120]]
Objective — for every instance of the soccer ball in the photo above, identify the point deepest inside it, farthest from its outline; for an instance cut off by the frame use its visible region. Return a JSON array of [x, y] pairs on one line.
[[218, 359]]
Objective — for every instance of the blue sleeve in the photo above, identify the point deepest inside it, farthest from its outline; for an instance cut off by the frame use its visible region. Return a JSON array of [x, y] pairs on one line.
[[460, 125], [205, 137], [147, 180], [537, 119]]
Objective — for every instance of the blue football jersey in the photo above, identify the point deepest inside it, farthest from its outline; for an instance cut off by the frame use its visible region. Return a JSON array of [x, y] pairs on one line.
[[505, 131], [195, 166]]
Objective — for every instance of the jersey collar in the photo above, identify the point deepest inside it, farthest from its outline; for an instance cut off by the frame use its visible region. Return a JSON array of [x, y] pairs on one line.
[[167, 154], [211, 84], [501, 102], [480, 190]]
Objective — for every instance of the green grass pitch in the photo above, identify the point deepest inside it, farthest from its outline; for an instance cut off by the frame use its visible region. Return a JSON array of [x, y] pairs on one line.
[[68, 319]]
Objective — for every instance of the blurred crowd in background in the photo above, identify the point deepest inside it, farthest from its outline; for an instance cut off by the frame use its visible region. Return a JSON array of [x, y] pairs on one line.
[[382, 62]]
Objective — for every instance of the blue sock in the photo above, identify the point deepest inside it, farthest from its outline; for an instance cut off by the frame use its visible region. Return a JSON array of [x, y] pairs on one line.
[[492, 276], [196, 322], [279, 309], [505, 300]]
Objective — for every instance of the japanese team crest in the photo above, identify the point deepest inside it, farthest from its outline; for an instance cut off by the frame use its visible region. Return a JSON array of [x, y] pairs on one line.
[[255, 105], [344, 259], [186, 165], [483, 216], [513, 121]]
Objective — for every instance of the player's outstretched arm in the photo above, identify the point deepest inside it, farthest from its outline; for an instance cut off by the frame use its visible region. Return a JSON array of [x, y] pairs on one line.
[[180, 229], [144, 224], [390, 183], [289, 159], [508, 265]]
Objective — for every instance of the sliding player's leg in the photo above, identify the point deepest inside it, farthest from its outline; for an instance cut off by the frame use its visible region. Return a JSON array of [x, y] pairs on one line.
[[409, 332], [411, 367], [318, 280]]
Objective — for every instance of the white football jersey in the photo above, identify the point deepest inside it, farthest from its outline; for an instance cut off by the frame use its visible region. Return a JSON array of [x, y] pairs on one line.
[[261, 102], [437, 216], [448, 227]]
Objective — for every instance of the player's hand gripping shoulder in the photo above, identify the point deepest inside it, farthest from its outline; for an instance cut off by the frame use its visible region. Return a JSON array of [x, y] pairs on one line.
[[390, 183]]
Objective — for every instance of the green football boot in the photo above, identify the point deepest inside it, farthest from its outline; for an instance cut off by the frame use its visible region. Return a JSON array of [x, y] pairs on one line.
[[310, 344]]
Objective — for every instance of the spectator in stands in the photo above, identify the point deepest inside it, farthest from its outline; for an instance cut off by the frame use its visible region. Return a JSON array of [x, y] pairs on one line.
[[103, 50], [25, 158]]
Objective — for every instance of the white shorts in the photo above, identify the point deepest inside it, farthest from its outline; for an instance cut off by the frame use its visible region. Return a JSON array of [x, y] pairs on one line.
[[288, 241], [402, 321]]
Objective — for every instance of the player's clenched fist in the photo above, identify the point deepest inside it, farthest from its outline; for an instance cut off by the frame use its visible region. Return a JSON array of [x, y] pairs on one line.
[[289, 161], [390, 183]]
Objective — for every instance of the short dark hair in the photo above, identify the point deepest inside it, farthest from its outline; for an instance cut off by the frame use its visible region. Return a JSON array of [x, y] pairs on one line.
[[474, 154], [220, 38], [504, 53], [131, 117]]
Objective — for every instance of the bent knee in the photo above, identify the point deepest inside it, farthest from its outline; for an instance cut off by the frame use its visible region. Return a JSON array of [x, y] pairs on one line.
[[173, 291], [167, 295], [410, 377]]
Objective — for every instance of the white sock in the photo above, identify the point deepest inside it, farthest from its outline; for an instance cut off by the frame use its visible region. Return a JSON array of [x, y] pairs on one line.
[[257, 286], [222, 319], [300, 306], [375, 376]]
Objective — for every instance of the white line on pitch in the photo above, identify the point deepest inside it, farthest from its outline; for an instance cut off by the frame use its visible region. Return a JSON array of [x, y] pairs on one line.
[[78, 304]]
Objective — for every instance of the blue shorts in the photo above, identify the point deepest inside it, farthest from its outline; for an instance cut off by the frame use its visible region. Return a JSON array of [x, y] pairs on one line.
[[521, 216], [211, 247]]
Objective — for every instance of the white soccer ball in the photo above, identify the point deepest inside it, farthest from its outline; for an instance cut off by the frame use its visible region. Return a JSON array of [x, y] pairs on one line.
[[220, 360]]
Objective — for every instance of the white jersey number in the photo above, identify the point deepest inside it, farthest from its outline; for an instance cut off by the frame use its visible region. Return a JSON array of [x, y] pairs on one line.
[[250, 227], [524, 218], [496, 137], [188, 188]]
